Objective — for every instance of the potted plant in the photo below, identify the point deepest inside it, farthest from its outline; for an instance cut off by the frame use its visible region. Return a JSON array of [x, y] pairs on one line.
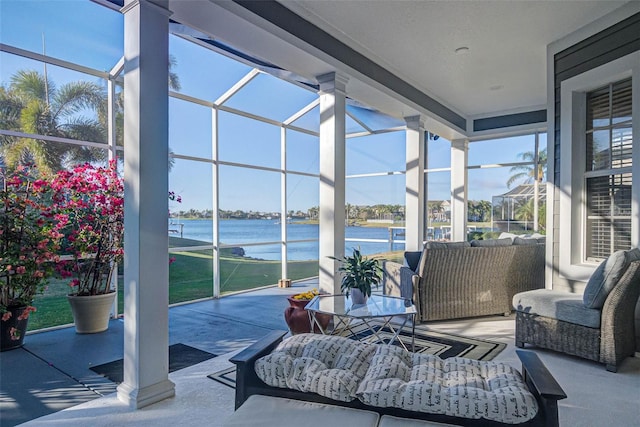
[[297, 317], [88, 209], [28, 248], [359, 274]]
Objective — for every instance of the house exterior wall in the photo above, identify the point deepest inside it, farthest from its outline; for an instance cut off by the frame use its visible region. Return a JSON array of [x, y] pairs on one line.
[[604, 46]]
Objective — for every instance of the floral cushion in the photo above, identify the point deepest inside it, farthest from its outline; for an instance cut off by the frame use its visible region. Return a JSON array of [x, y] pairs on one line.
[[330, 366], [456, 386]]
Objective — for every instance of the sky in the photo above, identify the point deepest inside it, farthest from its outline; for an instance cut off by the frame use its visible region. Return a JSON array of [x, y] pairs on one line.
[[88, 34]]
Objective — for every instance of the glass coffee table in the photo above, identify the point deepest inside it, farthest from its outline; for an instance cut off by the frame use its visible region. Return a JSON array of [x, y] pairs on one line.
[[378, 308]]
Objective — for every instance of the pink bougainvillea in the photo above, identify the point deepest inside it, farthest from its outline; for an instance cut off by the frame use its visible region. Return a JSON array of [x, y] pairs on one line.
[[28, 243], [88, 210]]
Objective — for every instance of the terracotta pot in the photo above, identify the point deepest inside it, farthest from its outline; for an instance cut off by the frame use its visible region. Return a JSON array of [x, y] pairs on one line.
[[91, 313], [13, 330], [297, 318]]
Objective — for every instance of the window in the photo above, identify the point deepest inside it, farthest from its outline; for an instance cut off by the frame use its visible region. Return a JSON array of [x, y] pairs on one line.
[[599, 166], [608, 175]]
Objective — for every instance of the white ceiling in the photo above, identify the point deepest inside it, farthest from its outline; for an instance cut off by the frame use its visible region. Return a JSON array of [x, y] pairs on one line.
[[503, 71], [505, 67]]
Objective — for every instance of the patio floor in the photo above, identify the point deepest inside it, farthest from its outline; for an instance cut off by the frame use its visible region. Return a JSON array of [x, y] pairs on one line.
[[51, 375]]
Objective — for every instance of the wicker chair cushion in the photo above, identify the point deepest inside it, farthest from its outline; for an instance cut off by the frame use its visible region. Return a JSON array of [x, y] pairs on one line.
[[331, 366], [564, 306], [456, 386], [522, 241], [605, 277], [492, 242]]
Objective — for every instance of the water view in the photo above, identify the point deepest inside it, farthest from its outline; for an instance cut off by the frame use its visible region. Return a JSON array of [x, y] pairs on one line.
[[248, 231]]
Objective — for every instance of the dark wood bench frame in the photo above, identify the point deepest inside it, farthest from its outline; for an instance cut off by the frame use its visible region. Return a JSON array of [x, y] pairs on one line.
[[539, 380]]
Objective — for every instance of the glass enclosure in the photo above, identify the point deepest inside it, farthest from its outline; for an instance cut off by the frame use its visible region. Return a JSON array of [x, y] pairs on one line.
[[243, 141]]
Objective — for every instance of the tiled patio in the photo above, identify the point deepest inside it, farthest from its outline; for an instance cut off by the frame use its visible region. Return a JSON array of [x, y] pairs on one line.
[[53, 373]]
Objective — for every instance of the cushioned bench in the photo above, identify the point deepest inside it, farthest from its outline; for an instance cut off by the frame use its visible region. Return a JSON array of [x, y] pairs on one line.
[[391, 381]]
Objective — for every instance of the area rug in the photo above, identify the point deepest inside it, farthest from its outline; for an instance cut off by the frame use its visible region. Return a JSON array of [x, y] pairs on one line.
[[180, 356], [427, 342]]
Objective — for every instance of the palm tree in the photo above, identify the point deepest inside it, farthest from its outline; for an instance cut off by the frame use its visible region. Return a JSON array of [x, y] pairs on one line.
[[32, 104], [532, 172], [525, 211]]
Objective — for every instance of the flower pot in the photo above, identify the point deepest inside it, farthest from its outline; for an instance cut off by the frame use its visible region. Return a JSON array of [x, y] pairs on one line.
[[13, 330], [358, 297], [298, 320], [91, 313]]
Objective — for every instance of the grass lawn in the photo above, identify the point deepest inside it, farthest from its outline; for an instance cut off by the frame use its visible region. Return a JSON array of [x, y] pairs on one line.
[[190, 278]]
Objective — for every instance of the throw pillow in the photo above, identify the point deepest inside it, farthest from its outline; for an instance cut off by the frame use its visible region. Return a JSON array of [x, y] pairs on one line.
[[604, 278], [412, 260], [521, 241], [491, 243]]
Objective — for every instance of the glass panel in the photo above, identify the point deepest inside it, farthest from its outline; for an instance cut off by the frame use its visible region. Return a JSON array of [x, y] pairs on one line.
[[190, 275], [384, 152], [303, 152], [598, 108], [376, 190], [270, 97], [608, 224], [80, 32], [203, 73], [598, 150], [351, 126], [373, 205], [513, 209], [438, 153], [302, 260], [310, 121], [374, 119], [260, 266], [622, 102], [77, 101], [190, 221], [53, 308], [504, 150], [250, 204], [621, 147], [248, 141], [189, 128], [438, 210], [303, 200]]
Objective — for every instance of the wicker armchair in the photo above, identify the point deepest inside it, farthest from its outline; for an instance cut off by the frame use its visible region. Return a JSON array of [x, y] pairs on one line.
[[549, 319]]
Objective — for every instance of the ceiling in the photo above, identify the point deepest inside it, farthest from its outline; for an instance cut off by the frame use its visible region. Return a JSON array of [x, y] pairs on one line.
[[503, 70]]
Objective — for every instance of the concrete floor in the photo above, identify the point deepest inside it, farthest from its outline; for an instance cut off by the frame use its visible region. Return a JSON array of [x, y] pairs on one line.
[[51, 372]]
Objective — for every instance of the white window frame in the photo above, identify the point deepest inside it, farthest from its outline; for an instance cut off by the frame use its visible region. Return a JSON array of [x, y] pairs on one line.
[[571, 244]]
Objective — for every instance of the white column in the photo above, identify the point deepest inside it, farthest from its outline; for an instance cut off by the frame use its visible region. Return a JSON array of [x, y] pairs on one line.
[[332, 178], [283, 202], [459, 151], [414, 196], [146, 242]]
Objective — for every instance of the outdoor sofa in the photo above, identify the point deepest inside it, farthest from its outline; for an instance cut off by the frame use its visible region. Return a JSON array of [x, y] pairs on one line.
[[358, 384], [462, 279]]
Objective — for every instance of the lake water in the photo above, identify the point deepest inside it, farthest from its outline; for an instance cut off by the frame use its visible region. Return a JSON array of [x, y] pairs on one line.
[[243, 232]]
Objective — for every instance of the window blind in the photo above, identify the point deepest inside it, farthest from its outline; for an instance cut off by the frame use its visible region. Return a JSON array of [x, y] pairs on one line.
[[609, 141]]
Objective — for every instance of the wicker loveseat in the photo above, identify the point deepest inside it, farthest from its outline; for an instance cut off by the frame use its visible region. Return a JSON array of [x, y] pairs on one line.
[[456, 280], [598, 325]]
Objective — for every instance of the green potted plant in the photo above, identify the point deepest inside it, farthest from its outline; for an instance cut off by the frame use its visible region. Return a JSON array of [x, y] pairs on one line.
[[28, 249], [359, 274]]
